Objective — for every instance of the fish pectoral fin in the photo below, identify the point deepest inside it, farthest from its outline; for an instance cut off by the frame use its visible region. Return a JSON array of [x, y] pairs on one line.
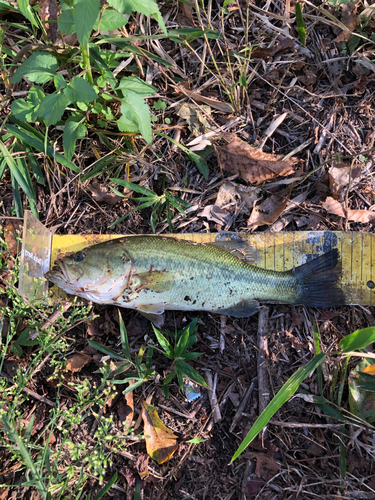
[[151, 308], [243, 309], [152, 312], [156, 281], [241, 249]]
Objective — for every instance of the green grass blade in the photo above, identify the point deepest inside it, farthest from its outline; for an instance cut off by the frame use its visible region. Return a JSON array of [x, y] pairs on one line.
[[284, 394], [300, 24], [140, 207], [358, 340], [105, 350], [16, 197], [318, 351], [38, 144], [124, 338], [165, 345], [134, 187], [13, 435], [200, 162], [107, 487]]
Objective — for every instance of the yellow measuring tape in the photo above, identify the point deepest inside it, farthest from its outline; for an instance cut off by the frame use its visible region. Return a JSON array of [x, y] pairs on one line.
[[279, 252]]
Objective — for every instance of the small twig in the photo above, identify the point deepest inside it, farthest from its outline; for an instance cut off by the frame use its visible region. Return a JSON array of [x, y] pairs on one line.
[[301, 425], [223, 323], [263, 383], [31, 393], [216, 414], [243, 404]]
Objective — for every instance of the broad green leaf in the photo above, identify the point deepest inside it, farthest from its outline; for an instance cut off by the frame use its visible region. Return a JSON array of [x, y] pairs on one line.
[[161, 443], [29, 135], [135, 187], [79, 90], [65, 22], [165, 345], [126, 125], [181, 344], [111, 20], [188, 371], [146, 7], [23, 110], [169, 377], [137, 85], [33, 163], [60, 82], [300, 24], [358, 340], [40, 67], [85, 15], [27, 11], [134, 108], [284, 394], [73, 131], [188, 356], [35, 95], [52, 108]]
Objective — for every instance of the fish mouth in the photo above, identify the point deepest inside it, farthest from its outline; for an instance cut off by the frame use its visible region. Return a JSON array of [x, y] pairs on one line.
[[58, 272]]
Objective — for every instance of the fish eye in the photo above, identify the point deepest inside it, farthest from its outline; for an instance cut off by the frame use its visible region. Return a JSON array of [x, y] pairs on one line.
[[79, 256]]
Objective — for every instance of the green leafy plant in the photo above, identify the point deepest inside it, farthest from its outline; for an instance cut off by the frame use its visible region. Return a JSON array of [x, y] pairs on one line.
[[300, 24], [143, 372], [149, 198], [179, 355], [352, 345]]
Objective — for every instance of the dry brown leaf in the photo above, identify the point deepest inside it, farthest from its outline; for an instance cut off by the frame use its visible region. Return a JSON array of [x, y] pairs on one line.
[[340, 175], [49, 12], [230, 192], [267, 212], [186, 10], [126, 408], [196, 118], [266, 466], [214, 213], [10, 238], [161, 443], [335, 207], [77, 362], [102, 194], [349, 19], [252, 164], [282, 43]]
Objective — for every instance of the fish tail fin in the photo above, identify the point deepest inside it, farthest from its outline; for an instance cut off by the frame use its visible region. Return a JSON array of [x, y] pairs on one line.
[[318, 281]]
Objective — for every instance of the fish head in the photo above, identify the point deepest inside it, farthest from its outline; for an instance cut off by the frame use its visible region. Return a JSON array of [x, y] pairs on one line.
[[98, 273]]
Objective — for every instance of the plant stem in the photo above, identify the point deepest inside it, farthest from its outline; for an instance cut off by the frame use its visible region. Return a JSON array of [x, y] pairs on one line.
[[86, 64]]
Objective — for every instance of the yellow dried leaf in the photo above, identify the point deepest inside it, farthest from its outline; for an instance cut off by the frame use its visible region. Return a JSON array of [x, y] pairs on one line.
[[161, 443], [335, 207]]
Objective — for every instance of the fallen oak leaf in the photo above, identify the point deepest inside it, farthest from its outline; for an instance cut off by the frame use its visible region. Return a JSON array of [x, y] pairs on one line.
[[267, 212], [161, 443], [281, 44], [348, 19], [215, 214], [77, 362], [342, 176], [102, 195], [335, 207], [250, 163]]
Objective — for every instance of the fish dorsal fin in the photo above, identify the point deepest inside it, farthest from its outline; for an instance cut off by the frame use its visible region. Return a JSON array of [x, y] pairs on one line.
[[243, 309], [241, 249], [156, 281]]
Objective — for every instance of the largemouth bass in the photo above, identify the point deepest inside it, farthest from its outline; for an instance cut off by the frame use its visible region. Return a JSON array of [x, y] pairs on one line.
[[152, 274]]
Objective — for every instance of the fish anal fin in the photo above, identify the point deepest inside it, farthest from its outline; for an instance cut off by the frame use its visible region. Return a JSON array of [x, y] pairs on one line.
[[156, 281], [152, 312], [241, 249], [243, 309]]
